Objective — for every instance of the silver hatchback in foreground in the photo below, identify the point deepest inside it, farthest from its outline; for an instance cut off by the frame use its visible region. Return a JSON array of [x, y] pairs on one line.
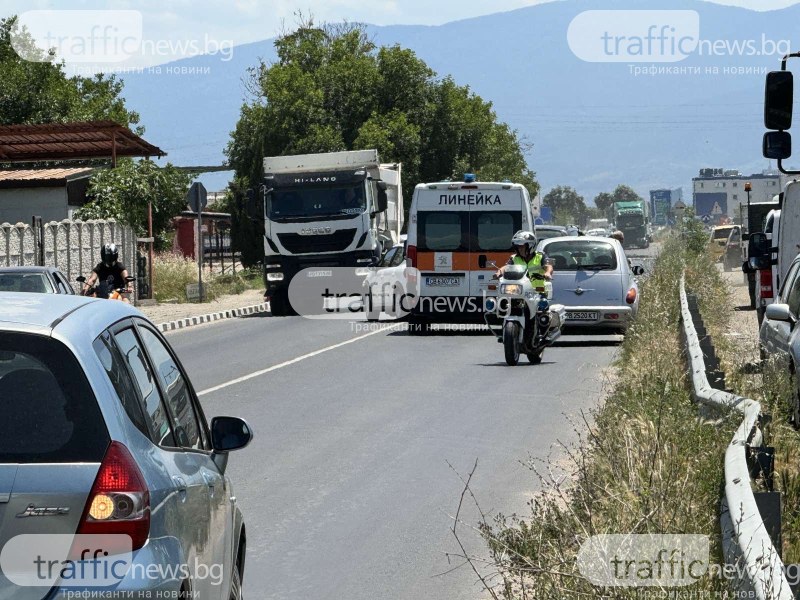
[[102, 435], [592, 278]]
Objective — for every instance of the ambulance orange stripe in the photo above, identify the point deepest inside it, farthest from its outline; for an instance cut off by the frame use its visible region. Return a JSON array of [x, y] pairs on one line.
[[463, 261]]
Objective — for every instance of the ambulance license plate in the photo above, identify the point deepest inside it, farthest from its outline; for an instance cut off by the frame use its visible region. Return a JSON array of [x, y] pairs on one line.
[[443, 281]]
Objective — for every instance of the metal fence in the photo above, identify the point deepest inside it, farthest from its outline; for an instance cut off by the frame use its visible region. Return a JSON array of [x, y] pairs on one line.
[[72, 246], [750, 544]]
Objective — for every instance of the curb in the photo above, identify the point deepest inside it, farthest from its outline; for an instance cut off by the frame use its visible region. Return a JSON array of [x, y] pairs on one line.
[[211, 317]]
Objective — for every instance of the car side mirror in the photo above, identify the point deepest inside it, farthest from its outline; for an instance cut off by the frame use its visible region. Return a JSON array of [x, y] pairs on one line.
[[779, 312], [638, 270], [777, 145], [746, 268], [229, 433], [382, 200], [778, 99]]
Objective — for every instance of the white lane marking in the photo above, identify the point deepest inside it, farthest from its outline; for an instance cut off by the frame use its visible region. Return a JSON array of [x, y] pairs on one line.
[[216, 388]]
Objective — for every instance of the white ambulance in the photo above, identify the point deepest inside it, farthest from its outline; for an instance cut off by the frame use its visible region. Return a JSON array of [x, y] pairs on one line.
[[457, 232]]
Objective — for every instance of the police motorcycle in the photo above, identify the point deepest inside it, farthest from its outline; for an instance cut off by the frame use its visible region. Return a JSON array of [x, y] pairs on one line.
[[529, 321]]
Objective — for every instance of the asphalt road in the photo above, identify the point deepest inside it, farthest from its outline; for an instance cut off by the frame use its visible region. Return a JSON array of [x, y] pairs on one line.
[[347, 489]]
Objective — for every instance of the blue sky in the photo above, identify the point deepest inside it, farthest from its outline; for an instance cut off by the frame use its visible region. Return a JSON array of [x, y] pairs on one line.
[[242, 21]]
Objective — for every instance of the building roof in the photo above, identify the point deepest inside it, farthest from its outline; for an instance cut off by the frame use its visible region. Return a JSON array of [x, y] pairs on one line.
[[14, 178], [71, 141]]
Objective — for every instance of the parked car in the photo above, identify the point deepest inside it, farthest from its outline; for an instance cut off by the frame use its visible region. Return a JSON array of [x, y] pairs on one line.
[[544, 232], [766, 280], [778, 335], [600, 232], [732, 254], [719, 240], [41, 280], [593, 279], [102, 433]]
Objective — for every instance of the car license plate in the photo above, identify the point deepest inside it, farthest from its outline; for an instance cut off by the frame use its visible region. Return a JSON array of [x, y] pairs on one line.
[[443, 281], [327, 273], [581, 316]]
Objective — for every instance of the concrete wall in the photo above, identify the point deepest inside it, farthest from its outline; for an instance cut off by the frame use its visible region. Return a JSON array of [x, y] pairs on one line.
[[72, 246], [18, 205]]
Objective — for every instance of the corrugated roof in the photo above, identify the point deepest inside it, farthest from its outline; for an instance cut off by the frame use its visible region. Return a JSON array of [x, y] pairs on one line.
[[54, 175], [56, 141]]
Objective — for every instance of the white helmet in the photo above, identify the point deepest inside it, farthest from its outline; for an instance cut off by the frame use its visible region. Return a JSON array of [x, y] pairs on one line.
[[525, 238]]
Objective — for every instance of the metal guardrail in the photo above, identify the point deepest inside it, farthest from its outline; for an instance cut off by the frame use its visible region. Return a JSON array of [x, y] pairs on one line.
[[762, 564]]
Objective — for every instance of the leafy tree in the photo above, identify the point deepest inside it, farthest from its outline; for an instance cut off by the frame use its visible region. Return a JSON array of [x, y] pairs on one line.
[[332, 88], [603, 201], [624, 193], [41, 92], [123, 193], [567, 205]]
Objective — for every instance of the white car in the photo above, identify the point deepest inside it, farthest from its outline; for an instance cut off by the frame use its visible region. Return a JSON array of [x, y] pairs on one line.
[[599, 232], [593, 279], [384, 279]]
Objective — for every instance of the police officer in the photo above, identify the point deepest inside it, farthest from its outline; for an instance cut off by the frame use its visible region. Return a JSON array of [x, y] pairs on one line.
[[525, 254]]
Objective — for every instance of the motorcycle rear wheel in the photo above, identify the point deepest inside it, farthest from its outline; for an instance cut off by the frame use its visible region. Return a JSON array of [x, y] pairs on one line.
[[510, 345]]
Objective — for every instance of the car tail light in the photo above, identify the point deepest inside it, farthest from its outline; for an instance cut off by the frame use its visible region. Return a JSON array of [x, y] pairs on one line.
[[119, 502], [765, 283], [630, 298], [411, 254], [612, 316]]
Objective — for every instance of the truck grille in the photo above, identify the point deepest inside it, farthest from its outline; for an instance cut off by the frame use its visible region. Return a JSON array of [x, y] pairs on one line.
[[308, 244]]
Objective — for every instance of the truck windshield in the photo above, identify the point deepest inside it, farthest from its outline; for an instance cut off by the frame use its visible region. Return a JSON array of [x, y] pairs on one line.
[[328, 201], [629, 221]]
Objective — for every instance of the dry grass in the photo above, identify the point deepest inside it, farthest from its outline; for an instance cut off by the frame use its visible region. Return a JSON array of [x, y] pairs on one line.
[[172, 273], [648, 464]]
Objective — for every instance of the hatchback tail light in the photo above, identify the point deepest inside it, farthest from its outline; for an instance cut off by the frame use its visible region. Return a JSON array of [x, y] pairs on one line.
[[765, 283], [630, 298], [411, 254], [119, 502]]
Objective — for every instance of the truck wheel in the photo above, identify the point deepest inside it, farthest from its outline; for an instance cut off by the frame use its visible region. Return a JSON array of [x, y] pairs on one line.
[[279, 304], [417, 326], [510, 345]]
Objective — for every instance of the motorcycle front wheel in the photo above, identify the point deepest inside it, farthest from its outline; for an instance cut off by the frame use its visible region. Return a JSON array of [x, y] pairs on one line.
[[510, 345]]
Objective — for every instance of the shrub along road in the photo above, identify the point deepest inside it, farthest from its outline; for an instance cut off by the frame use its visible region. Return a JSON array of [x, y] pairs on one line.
[[346, 489]]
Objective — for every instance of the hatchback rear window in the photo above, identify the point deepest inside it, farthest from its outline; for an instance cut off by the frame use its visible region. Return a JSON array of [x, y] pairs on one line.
[[48, 412], [581, 254], [25, 282]]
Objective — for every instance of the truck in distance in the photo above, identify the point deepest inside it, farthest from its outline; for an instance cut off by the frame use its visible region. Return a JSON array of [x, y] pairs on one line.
[[633, 220]]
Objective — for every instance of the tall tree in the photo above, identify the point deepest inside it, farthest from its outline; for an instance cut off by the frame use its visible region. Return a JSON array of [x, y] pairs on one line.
[[625, 193], [603, 201], [41, 92], [332, 89], [567, 205]]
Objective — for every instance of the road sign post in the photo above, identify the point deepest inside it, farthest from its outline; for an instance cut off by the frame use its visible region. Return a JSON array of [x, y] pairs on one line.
[[197, 199]]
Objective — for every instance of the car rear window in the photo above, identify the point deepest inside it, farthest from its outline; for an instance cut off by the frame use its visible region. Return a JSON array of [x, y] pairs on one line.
[[48, 412], [544, 234], [581, 254], [25, 282], [494, 230]]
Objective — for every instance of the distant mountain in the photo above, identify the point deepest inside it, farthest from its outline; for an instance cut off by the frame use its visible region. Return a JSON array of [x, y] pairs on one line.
[[592, 125]]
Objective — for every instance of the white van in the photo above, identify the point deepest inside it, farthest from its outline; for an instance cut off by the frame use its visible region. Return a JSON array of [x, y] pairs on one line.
[[457, 232]]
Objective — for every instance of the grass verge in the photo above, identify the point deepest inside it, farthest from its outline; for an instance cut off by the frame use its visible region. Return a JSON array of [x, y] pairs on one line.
[[172, 273], [648, 464]]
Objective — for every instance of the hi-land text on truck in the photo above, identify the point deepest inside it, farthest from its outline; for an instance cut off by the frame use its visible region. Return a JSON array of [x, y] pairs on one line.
[[339, 209], [633, 220]]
